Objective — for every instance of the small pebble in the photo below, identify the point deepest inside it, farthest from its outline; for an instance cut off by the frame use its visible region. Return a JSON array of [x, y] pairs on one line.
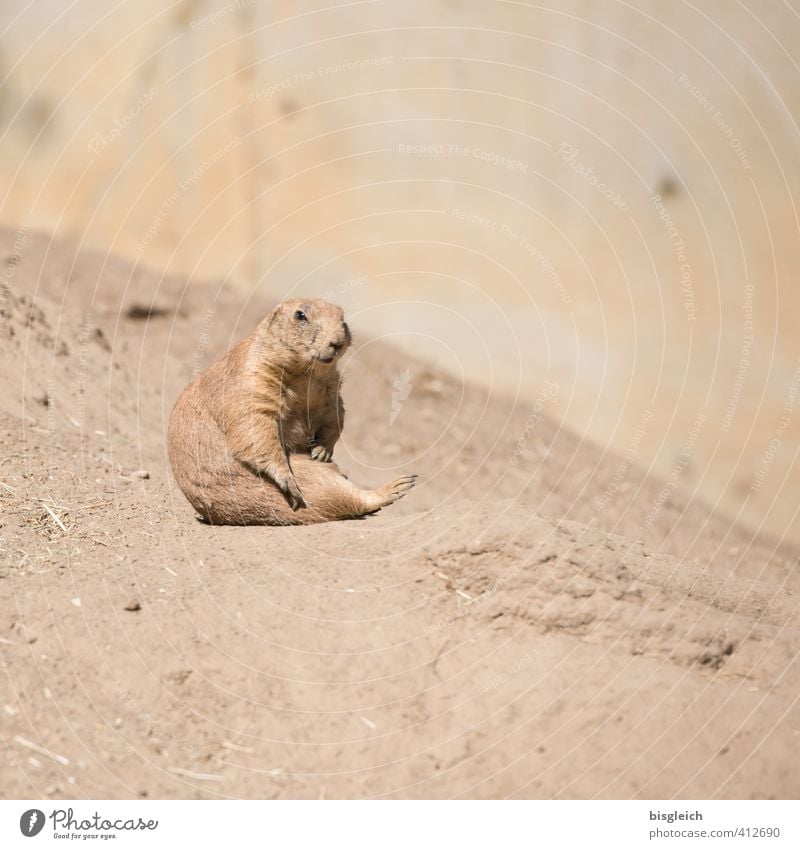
[[141, 473], [133, 606]]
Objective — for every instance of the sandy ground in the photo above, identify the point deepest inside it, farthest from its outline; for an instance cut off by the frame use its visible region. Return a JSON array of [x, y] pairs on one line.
[[510, 629]]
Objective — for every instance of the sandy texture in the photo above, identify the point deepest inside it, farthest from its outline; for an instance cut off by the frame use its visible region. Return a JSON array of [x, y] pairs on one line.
[[511, 628]]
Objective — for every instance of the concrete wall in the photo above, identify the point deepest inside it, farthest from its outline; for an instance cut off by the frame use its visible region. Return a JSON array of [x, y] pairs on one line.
[[590, 193]]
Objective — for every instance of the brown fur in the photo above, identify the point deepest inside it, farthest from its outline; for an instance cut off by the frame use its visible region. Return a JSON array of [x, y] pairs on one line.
[[251, 438]]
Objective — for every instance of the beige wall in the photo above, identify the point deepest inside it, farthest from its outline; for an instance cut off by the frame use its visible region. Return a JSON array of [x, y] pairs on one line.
[[274, 143]]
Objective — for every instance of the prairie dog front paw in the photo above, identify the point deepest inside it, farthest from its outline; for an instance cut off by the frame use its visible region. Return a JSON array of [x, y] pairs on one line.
[[321, 453]]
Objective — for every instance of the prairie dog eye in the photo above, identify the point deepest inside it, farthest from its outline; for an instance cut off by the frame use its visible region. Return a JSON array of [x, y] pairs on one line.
[[300, 316]]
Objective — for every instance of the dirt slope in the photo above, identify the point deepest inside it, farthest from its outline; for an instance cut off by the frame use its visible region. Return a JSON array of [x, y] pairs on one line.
[[509, 629]]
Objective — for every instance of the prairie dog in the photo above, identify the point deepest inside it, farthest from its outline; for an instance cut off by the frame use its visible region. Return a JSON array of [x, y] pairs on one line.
[[251, 439]]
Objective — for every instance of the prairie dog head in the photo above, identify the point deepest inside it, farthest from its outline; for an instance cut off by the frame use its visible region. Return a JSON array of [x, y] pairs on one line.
[[305, 332]]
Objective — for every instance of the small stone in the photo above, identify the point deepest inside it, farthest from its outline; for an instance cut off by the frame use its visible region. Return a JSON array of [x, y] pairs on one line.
[[142, 474], [133, 606]]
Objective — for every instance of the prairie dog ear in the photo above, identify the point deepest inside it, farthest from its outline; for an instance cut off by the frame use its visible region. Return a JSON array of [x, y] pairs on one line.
[[262, 334], [270, 319]]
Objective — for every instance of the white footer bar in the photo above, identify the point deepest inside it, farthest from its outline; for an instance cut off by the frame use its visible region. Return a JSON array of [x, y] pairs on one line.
[[402, 824]]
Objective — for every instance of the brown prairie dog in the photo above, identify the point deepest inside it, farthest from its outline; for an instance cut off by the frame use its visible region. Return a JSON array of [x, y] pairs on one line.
[[251, 438]]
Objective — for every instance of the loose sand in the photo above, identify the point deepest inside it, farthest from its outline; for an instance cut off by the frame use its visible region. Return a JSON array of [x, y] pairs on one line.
[[511, 628]]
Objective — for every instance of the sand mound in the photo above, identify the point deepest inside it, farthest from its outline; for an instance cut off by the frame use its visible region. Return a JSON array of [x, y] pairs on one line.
[[539, 618]]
